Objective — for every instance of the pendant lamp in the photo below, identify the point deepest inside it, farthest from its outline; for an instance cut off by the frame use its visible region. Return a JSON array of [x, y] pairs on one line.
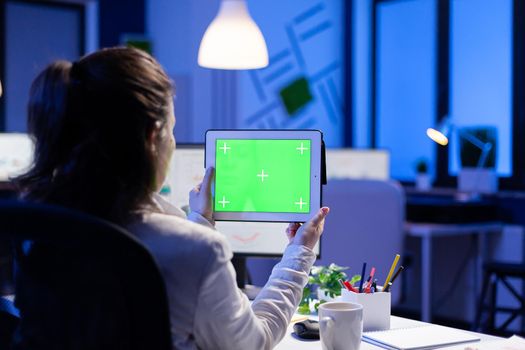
[[233, 40]]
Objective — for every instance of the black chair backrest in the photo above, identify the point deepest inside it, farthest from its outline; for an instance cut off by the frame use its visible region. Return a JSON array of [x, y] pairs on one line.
[[83, 283], [9, 320]]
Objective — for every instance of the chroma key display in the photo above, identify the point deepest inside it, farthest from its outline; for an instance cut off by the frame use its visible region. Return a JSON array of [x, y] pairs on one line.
[[262, 176]]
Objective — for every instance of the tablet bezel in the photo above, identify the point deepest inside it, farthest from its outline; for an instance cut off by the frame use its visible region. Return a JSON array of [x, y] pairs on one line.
[[315, 136]]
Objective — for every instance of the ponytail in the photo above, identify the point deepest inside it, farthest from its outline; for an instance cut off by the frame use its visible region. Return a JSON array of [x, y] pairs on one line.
[[90, 121], [45, 113]]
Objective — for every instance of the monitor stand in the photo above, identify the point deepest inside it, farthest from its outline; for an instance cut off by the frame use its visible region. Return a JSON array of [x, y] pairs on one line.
[[239, 263]]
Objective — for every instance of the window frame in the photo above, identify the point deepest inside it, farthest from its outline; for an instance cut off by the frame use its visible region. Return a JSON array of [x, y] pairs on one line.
[[65, 4], [443, 178]]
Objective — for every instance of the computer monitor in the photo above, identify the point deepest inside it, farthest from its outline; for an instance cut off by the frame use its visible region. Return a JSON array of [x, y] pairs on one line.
[[347, 163], [16, 154], [247, 239]]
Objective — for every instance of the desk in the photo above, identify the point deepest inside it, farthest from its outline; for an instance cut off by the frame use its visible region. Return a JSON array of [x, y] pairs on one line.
[[291, 342], [426, 232]]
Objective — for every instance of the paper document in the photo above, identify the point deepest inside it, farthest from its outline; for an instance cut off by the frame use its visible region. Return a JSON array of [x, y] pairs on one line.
[[513, 343]]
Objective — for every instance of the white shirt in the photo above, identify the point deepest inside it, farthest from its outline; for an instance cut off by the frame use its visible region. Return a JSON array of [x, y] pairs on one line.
[[207, 310]]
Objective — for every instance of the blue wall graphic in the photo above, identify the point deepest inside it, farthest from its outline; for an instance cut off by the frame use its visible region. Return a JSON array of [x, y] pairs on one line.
[[302, 86]]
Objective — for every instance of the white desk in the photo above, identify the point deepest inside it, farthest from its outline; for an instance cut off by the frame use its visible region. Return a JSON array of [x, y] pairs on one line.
[[426, 232], [291, 342]]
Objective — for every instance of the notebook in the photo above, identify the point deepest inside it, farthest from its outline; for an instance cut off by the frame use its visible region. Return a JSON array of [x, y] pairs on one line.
[[512, 343], [426, 336]]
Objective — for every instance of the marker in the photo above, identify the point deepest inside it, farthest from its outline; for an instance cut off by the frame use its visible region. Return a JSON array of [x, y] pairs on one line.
[[396, 259], [362, 278], [350, 287], [401, 268]]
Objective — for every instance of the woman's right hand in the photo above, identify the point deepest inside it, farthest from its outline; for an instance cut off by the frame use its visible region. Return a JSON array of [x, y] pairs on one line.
[[308, 233], [200, 197]]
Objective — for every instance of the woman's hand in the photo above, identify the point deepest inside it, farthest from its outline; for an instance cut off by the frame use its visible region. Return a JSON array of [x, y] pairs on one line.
[[308, 233], [200, 196]]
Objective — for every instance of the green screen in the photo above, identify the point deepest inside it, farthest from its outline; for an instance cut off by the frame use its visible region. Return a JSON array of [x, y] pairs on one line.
[[262, 176]]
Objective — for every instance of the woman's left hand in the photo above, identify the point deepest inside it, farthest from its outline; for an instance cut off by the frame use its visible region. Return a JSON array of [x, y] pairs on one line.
[[200, 196], [308, 233]]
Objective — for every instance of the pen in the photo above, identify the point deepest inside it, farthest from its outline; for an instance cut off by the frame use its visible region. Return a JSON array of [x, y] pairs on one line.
[[370, 278], [342, 284], [362, 278], [396, 259], [374, 286], [368, 282], [366, 285], [401, 268]]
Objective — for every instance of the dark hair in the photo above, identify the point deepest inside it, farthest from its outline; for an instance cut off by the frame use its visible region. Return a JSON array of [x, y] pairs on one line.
[[90, 121]]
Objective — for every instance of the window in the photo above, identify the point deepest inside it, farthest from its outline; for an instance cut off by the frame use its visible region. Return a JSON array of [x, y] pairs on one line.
[[405, 61], [31, 43], [481, 74]]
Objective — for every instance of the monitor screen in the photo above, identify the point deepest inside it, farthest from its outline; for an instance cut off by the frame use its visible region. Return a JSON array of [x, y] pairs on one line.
[[245, 238], [346, 163], [16, 154], [185, 172]]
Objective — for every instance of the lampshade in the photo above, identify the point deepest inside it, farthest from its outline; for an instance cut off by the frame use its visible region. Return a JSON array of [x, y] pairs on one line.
[[233, 40], [441, 132], [0, 88]]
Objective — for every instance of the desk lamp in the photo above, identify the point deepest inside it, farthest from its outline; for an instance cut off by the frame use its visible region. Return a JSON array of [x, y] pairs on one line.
[[440, 135], [233, 40]]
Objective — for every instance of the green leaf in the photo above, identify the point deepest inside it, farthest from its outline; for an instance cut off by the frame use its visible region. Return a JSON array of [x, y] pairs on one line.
[[327, 279], [306, 293], [316, 270], [304, 309], [355, 279], [316, 305]]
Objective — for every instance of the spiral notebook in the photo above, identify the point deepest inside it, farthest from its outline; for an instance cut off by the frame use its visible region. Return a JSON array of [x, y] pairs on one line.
[[426, 336]]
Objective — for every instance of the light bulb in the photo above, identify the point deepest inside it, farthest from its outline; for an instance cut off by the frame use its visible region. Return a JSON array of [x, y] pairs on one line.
[[233, 40], [437, 136]]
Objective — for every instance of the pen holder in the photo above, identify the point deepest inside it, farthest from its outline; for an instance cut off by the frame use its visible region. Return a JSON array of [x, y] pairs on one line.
[[376, 308]]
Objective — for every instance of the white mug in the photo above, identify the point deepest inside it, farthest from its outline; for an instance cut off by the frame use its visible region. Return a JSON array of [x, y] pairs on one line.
[[341, 325]]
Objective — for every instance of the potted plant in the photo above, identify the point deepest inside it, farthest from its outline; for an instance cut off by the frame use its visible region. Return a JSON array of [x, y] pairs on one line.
[[422, 176], [323, 280]]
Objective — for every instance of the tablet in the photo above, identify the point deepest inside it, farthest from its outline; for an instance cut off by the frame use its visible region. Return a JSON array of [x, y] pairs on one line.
[[265, 175]]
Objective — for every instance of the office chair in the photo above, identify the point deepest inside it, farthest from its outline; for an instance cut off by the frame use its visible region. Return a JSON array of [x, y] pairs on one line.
[[9, 319], [365, 224], [83, 283], [498, 277]]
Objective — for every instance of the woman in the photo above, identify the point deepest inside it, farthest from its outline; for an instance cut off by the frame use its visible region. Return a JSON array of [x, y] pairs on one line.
[[103, 140]]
